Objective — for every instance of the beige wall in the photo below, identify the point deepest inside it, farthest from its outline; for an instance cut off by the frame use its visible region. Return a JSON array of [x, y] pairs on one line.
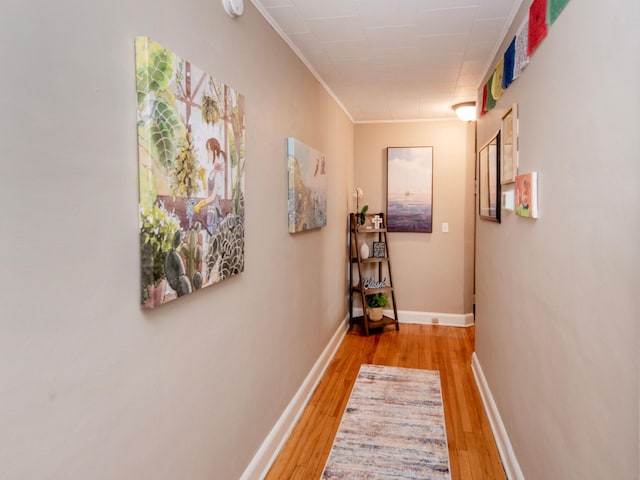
[[430, 271], [93, 386], [557, 298]]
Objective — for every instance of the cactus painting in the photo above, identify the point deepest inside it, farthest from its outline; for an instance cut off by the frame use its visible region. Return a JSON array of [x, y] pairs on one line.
[[191, 157]]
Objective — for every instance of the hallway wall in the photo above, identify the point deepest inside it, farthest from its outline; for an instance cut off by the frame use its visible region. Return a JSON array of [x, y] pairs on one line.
[[432, 272], [93, 386], [557, 297]]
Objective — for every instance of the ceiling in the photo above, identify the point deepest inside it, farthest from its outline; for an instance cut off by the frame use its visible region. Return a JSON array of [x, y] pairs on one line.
[[394, 60]]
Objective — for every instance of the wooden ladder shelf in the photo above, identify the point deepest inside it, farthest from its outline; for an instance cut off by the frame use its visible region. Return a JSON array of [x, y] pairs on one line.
[[375, 233]]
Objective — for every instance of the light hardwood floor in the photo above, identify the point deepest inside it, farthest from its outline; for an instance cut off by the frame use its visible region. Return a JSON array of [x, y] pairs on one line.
[[472, 450]]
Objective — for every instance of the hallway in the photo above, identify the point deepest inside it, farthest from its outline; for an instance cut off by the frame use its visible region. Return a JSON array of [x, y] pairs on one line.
[[472, 451]]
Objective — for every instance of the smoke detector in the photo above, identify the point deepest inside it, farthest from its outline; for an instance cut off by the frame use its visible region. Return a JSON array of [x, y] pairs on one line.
[[234, 8]]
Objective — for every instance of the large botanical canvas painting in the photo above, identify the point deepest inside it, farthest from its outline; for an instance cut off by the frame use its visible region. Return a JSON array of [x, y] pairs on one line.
[[409, 189], [191, 154], [307, 187]]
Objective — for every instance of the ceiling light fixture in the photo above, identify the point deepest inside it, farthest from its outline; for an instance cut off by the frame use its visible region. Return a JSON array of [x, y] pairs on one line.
[[466, 111]]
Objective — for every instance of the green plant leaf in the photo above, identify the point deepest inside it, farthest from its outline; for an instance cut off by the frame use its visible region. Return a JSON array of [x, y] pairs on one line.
[[376, 300]]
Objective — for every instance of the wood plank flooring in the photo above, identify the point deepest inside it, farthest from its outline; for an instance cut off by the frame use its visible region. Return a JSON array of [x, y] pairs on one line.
[[472, 450]]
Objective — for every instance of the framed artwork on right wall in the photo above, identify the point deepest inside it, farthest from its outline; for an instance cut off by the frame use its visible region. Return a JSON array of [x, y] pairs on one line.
[[509, 146], [489, 180], [527, 195]]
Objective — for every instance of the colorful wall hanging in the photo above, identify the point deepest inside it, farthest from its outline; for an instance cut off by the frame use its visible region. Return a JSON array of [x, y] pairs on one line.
[[533, 30], [491, 101], [496, 85], [307, 187], [554, 8], [522, 45], [485, 94], [191, 157], [537, 24], [509, 63]]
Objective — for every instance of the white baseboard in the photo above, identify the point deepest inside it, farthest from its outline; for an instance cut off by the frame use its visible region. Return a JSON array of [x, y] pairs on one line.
[[270, 448], [428, 318], [509, 460]]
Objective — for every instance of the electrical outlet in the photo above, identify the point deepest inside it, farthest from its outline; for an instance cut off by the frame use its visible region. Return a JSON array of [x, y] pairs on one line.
[[435, 320]]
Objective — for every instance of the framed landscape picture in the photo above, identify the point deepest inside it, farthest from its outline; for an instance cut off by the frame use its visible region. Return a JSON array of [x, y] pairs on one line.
[[489, 179], [409, 189]]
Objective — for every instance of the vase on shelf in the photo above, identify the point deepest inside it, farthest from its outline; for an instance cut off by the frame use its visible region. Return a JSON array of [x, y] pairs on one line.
[[375, 314], [364, 251]]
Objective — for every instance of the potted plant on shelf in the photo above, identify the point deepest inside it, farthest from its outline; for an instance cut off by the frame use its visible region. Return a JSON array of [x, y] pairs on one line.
[[362, 215], [375, 303]]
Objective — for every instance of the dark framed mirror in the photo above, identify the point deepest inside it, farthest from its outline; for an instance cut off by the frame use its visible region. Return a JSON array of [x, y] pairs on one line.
[[489, 180]]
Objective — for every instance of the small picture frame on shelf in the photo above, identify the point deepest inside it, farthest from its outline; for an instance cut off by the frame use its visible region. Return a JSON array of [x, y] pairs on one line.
[[379, 249]]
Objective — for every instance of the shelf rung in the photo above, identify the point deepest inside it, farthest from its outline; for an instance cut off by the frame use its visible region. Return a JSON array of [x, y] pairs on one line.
[[375, 259], [370, 291], [375, 323], [371, 260]]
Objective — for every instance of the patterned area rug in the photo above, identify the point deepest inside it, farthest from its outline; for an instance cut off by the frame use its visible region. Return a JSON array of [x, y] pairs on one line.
[[392, 428]]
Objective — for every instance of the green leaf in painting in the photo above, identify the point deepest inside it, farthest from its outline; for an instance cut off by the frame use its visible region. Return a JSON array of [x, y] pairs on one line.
[[142, 83], [163, 148], [233, 153], [148, 192], [164, 129], [154, 76], [160, 69], [163, 112]]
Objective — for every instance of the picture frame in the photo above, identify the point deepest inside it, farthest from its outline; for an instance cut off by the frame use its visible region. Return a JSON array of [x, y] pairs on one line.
[[489, 180], [509, 146], [191, 164], [307, 191], [379, 249], [527, 195], [409, 189]]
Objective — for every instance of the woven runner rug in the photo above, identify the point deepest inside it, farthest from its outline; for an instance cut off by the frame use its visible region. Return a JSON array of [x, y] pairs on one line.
[[392, 428]]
